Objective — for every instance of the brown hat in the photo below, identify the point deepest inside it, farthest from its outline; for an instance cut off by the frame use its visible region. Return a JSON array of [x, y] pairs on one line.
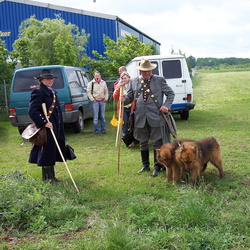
[[146, 65], [46, 74]]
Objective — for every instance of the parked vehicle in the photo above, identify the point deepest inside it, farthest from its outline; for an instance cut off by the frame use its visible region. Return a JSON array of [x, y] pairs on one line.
[[174, 69], [71, 86]]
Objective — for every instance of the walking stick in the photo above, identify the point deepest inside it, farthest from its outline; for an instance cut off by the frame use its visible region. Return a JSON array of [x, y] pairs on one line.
[[58, 147], [119, 131]]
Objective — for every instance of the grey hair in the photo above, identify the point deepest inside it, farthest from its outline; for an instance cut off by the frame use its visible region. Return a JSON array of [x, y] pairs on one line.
[[125, 73]]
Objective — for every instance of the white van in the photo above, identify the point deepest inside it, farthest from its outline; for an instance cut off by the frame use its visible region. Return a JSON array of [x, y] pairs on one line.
[[174, 69]]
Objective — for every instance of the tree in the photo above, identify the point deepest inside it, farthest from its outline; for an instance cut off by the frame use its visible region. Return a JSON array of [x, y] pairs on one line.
[[191, 61], [7, 64], [50, 41], [119, 53]]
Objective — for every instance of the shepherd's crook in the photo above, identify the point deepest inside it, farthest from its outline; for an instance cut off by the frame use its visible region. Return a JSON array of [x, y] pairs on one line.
[[58, 147]]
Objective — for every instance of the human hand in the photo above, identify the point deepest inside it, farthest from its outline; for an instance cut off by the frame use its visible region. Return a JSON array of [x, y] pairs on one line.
[[120, 84], [49, 125], [164, 109]]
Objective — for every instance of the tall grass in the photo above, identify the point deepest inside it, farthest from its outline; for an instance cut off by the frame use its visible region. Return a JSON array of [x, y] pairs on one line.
[[132, 211]]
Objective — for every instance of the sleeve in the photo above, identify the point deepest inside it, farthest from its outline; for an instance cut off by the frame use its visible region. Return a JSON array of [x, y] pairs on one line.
[[106, 92], [116, 93], [89, 90], [35, 108], [130, 92], [169, 93]]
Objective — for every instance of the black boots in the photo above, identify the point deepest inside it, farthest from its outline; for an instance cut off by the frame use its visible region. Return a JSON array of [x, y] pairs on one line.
[[157, 169], [157, 166], [48, 174], [145, 161]]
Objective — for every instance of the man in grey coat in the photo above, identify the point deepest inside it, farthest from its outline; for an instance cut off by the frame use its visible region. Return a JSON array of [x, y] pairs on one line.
[[148, 92]]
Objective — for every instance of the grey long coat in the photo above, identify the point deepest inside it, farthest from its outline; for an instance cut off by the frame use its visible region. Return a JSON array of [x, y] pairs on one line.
[[148, 110]]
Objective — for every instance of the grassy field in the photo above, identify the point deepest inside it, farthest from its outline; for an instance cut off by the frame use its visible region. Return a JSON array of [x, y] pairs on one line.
[[132, 211]]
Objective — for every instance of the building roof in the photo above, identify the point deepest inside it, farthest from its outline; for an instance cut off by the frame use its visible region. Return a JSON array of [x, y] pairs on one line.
[[62, 8]]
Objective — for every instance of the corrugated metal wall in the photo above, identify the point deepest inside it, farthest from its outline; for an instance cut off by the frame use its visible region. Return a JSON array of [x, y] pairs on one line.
[[127, 29], [12, 14]]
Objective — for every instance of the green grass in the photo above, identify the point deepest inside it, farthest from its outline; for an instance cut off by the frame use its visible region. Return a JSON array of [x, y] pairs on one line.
[[132, 211]]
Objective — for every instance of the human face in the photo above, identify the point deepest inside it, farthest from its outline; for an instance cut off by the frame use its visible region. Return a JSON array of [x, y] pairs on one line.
[[121, 69], [97, 77], [48, 82], [125, 79], [146, 74]]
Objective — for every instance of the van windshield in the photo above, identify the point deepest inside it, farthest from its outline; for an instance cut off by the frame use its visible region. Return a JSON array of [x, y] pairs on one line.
[[26, 80]]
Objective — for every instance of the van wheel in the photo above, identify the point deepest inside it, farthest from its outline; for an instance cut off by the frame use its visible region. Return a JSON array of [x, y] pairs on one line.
[[78, 125], [184, 114]]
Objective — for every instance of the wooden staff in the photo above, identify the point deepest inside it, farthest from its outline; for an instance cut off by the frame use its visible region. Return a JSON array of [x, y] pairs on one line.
[[58, 147], [119, 131], [120, 120]]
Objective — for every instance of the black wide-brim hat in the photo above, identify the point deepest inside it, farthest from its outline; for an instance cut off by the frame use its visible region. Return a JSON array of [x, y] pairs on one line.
[[46, 74]]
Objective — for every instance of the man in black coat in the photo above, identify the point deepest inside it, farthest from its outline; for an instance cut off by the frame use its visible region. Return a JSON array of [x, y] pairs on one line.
[[46, 156]]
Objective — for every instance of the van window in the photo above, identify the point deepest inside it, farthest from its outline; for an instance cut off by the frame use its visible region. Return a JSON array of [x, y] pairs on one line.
[[86, 77], [26, 80], [156, 70], [72, 76], [74, 88], [171, 69], [79, 75]]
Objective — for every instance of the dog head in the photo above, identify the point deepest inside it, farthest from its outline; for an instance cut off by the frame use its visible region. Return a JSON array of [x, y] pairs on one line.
[[165, 154], [188, 155]]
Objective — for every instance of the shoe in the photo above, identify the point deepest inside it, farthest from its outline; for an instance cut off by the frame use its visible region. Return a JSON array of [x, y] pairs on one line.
[[131, 145], [144, 168], [104, 132], [157, 169], [155, 173], [55, 180]]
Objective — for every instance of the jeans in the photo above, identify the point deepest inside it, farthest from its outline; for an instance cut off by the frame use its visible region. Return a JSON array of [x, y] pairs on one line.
[[99, 112]]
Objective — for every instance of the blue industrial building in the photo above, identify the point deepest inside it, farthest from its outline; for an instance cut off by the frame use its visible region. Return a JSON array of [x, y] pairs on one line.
[[13, 12]]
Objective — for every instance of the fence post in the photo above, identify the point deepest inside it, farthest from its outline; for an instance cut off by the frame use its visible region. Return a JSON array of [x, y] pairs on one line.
[[6, 98]]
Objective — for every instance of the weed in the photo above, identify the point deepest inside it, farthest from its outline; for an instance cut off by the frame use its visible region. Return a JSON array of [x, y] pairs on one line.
[[132, 211]]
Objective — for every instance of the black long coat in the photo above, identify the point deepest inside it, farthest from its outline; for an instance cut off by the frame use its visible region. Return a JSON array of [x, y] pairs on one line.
[[48, 154]]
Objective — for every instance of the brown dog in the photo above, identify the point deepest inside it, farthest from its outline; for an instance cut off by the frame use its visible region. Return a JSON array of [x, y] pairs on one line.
[[166, 157], [194, 156]]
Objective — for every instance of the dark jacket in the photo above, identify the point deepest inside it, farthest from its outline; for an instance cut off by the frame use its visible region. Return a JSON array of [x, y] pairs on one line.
[[48, 154]]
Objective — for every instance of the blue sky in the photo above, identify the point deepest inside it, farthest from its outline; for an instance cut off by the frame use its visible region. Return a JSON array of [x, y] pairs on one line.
[[201, 28]]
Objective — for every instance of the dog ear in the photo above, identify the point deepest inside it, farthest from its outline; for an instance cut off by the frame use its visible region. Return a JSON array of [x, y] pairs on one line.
[[158, 152], [182, 147]]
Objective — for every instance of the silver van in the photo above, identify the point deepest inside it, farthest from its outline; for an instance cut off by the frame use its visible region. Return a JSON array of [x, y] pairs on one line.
[[174, 69], [71, 86]]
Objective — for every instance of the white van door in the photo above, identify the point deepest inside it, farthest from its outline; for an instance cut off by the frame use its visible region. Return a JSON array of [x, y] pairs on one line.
[[172, 71]]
